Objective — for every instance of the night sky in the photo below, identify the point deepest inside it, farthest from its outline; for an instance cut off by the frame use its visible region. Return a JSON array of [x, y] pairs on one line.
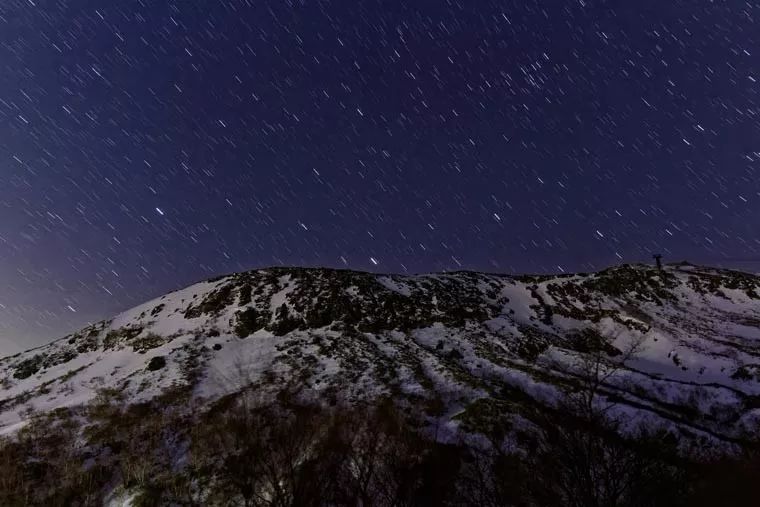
[[146, 145]]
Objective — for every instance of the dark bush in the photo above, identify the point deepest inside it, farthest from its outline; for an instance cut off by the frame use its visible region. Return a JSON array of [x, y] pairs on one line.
[[28, 367], [156, 363], [248, 322]]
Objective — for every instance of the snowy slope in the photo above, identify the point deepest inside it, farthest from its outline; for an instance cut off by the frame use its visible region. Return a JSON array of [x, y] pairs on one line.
[[450, 343]]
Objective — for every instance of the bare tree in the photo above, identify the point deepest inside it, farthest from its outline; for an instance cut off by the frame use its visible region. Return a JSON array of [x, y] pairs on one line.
[[263, 455], [581, 459], [590, 371]]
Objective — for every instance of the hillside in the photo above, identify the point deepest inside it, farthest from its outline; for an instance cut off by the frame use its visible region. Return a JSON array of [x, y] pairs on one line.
[[461, 347]]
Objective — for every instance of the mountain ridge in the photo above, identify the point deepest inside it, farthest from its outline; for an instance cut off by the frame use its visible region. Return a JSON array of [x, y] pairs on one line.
[[461, 346]]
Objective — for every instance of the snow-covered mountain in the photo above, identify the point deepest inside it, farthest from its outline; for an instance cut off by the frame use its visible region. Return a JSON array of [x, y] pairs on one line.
[[461, 346]]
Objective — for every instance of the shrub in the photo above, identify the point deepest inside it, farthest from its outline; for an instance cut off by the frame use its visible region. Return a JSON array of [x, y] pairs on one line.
[[147, 342], [156, 363], [212, 304], [248, 322], [245, 294], [28, 367], [116, 337]]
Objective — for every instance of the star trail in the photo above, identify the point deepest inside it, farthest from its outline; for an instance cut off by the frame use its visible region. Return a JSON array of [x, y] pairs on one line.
[[146, 145]]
